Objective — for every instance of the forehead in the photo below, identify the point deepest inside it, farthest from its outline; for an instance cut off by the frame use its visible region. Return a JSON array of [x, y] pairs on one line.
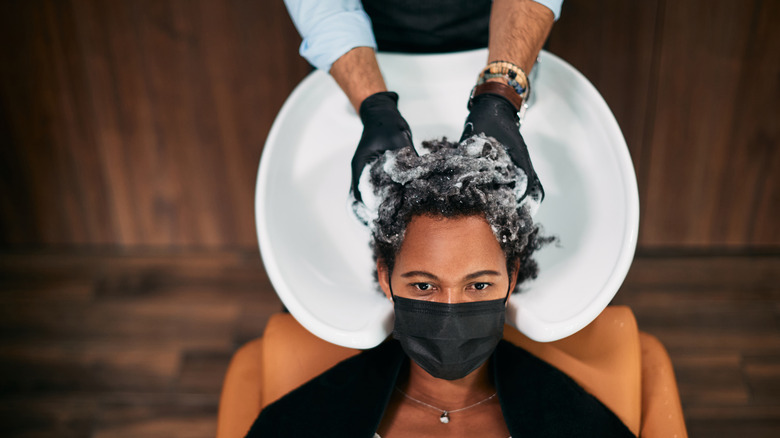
[[450, 244]]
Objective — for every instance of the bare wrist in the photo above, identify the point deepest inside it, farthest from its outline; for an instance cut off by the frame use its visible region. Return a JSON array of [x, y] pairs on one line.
[[357, 73]]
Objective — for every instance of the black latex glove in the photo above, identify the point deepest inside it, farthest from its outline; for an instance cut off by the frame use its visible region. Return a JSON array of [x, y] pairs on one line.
[[496, 117], [383, 129]]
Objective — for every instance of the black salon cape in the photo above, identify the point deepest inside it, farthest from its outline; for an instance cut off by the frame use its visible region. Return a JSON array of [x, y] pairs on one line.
[[349, 399]]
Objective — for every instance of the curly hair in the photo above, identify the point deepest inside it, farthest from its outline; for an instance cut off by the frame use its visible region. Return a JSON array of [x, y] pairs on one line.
[[473, 178]]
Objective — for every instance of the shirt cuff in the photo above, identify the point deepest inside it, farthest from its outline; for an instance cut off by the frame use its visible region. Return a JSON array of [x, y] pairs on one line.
[[553, 5], [336, 35]]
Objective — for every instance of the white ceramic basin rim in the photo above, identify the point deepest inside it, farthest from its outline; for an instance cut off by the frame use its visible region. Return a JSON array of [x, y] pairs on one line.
[[316, 253]]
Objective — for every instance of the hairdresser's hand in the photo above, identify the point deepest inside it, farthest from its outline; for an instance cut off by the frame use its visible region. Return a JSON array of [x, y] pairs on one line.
[[384, 129], [496, 117]]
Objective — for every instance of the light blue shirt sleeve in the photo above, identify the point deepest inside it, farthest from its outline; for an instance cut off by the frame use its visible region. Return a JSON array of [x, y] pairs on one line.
[[554, 5], [331, 28]]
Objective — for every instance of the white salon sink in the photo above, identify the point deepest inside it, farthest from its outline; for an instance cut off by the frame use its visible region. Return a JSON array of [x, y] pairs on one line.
[[316, 253]]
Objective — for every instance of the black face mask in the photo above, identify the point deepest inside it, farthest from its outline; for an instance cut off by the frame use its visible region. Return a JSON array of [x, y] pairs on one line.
[[449, 341]]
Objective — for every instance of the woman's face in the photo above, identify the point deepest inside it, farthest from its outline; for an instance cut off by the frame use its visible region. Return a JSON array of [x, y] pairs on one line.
[[448, 260]]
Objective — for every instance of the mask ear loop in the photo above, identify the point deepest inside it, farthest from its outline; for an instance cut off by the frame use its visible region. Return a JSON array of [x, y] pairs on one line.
[[508, 290], [390, 285]]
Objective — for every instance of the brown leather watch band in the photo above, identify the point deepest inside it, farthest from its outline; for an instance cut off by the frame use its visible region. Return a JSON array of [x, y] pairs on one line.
[[504, 90]]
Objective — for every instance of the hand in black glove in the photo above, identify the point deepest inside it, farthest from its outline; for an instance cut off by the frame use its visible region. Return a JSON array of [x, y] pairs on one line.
[[496, 117], [383, 129]]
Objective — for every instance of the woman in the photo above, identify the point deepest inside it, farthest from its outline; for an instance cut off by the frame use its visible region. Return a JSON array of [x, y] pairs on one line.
[[452, 237]]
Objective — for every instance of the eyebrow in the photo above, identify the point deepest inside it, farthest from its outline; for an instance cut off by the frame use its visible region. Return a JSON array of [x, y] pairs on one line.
[[481, 273], [471, 276], [419, 274]]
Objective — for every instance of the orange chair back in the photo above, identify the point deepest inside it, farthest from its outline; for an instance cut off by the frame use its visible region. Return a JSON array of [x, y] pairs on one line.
[[608, 358]]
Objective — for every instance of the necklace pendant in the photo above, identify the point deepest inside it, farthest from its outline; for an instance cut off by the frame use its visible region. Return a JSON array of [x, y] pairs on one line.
[[445, 417]]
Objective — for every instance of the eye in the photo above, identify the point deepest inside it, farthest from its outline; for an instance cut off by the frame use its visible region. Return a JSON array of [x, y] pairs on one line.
[[481, 286], [422, 286]]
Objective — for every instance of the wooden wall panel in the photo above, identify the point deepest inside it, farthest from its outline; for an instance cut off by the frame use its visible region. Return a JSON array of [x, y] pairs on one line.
[[47, 172], [611, 42], [710, 180], [138, 123], [757, 131]]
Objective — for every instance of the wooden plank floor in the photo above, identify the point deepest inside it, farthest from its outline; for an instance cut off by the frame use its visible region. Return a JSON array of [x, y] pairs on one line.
[[111, 344], [719, 318]]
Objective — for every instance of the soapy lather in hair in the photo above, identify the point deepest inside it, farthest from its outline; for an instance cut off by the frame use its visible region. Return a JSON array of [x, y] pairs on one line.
[[473, 177]]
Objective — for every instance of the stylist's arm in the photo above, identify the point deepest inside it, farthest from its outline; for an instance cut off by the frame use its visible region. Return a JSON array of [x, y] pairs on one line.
[[338, 38], [357, 73], [518, 29]]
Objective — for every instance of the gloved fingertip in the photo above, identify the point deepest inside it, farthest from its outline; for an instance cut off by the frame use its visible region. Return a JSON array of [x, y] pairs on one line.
[[356, 194], [410, 143]]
